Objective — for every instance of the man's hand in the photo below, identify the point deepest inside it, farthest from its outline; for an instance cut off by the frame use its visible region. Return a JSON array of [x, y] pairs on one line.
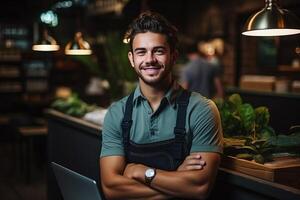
[[135, 171], [192, 162]]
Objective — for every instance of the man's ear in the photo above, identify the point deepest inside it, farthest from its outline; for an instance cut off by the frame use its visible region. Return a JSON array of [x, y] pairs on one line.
[[130, 57]]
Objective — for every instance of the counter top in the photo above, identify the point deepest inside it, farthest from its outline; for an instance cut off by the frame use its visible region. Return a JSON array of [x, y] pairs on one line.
[[260, 186], [231, 90], [74, 121]]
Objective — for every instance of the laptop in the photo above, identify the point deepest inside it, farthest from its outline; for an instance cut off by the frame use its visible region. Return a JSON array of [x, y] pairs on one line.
[[75, 186]]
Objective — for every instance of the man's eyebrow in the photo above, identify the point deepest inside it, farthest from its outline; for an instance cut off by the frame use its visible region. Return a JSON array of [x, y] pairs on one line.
[[154, 48], [160, 47], [139, 49]]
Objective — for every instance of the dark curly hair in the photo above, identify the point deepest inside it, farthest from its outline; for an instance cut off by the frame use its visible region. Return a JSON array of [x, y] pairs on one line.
[[152, 22]]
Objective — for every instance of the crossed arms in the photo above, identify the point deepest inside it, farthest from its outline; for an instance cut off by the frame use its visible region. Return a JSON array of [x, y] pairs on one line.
[[193, 178]]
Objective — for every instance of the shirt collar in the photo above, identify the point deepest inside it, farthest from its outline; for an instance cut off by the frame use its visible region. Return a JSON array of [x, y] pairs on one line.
[[171, 94]]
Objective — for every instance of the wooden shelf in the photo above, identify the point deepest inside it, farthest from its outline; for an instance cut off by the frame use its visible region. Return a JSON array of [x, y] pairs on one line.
[[287, 68], [281, 170]]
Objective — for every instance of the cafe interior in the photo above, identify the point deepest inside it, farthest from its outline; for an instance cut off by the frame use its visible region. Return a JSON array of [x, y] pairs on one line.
[[64, 62]]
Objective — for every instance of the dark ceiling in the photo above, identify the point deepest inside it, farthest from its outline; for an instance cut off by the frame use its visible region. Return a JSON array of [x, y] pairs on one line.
[[12, 10], [29, 10]]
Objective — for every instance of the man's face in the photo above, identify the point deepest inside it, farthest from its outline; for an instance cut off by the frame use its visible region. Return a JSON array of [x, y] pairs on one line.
[[151, 58]]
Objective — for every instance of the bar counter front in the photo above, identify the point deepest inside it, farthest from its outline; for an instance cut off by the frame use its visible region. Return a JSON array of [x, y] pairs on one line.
[[75, 144]]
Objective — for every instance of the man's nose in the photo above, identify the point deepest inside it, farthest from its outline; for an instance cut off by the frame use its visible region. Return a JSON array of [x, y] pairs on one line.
[[150, 58]]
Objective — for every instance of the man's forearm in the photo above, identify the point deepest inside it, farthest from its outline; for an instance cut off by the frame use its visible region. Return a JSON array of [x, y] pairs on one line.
[[116, 185], [184, 184], [124, 188], [194, 184]]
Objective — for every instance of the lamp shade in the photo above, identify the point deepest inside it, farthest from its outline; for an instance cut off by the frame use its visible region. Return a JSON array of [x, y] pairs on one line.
[[46, 43], [272, 21], [78, 46]]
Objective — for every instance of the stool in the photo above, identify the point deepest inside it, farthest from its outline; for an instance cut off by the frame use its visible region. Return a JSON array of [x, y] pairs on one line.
[[27, 134]]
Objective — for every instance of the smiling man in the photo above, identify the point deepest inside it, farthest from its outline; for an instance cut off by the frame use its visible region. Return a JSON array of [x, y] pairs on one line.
[[161, 141]]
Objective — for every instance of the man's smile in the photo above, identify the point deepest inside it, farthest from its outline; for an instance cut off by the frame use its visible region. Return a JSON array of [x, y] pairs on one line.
[[151, 70]]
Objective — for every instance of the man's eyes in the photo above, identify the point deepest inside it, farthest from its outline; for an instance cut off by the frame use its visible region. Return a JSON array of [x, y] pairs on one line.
[[155, 51], [159, 51], [140, 53]]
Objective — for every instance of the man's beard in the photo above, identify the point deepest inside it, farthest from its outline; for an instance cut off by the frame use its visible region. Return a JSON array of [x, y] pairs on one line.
[[158, 81]]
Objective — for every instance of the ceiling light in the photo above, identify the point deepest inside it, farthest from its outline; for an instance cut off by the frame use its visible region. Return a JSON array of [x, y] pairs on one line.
[[272, 21], [46, 43], [78, 46]]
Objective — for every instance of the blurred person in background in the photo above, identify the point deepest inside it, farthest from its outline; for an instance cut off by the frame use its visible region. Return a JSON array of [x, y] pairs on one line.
[[202, 73]]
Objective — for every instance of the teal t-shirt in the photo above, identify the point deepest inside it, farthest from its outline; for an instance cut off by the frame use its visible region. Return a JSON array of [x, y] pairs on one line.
[[203, 125]]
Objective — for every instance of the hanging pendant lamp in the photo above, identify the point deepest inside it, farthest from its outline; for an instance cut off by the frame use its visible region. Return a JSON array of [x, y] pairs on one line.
[[272, 21], [46, 43], [78, 46]]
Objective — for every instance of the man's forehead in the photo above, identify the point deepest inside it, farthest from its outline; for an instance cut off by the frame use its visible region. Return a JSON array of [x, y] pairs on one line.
[[149, 39]]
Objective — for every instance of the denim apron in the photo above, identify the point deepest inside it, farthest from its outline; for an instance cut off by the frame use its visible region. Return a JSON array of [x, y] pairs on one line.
[[165, 155]]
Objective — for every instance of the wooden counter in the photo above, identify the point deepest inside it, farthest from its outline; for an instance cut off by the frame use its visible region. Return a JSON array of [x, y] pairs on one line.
[[237, 186], [76, 144]]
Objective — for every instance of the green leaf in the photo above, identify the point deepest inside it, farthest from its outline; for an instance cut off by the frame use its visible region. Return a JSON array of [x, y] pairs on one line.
[[73, 105], [245, 156], [266, 133], [247, 115], [235, 99], [258, 142], [259, 159], [248, 148], [262, 117]]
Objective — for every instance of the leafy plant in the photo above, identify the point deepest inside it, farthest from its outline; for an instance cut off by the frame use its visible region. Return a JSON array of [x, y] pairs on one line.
[[248, 134], [240, 121], [240, 118], [258, 150], [72, 105], [285, 143]]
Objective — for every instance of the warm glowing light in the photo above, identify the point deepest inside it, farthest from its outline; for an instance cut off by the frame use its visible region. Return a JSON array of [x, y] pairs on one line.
[[272, 32], [45, 47], [78, 52]]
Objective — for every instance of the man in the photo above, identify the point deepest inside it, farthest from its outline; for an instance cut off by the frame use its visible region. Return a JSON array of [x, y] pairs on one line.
[[161, 142], [200, 75]]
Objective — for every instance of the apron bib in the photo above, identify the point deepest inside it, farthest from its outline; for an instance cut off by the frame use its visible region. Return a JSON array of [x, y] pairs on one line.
[[165, 155]]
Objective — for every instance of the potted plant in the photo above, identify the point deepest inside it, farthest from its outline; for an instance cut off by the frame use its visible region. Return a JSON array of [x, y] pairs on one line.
[[248, 134]]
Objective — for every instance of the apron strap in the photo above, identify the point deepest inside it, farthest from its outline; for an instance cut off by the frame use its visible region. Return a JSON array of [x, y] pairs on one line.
[[183, 102], [127, 122]]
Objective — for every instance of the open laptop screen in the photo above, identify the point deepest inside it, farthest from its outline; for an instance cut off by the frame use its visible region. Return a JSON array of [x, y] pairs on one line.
[[75, 186]]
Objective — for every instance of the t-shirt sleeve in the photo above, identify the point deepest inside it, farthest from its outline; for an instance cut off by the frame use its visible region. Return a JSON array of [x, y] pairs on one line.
[[206, 128], [112, 141]]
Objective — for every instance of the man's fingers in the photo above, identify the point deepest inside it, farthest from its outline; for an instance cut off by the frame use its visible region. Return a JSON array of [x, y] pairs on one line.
[[193, 156], [192, 167], [195, 162], [202, 162], [192, 162]]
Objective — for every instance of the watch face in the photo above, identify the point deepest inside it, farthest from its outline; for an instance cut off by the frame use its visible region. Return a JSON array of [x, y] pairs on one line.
[[150, 172]]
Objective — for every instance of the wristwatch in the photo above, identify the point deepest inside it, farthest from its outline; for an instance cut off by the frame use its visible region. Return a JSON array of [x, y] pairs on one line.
[[149, 175]]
